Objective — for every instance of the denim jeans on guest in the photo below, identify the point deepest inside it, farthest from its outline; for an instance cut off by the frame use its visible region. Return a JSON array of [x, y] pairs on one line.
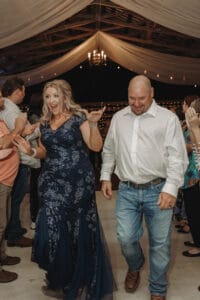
[[132, 204], [14, 230]]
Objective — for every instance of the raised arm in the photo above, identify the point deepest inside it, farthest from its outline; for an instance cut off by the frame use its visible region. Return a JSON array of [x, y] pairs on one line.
[[193, 122], [90, 130]]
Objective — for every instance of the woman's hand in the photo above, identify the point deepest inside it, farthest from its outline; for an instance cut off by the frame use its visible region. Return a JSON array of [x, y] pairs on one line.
[[94, 116], [192, 118], [23, 145]]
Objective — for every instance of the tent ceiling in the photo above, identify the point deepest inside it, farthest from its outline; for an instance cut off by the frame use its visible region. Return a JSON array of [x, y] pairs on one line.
[[99, 15]]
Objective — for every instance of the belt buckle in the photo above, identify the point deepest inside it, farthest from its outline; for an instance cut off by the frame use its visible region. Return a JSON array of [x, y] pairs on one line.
[[144, 185], [157, 181]]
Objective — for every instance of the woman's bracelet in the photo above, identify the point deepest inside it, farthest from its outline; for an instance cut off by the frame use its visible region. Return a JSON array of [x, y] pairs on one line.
[[93, 124], [34, 152]]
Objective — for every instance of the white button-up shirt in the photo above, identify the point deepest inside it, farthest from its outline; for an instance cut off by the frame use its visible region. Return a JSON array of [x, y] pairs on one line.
[[144, 147]]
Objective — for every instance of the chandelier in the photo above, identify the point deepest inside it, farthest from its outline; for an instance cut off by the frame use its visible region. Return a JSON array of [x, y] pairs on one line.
[[97, 58]]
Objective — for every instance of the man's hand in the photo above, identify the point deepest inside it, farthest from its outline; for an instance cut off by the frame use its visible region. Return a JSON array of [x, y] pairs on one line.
[[166, 201], [106, 189]]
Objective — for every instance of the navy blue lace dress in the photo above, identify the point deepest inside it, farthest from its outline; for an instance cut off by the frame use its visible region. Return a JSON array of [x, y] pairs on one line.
[[69, 243]]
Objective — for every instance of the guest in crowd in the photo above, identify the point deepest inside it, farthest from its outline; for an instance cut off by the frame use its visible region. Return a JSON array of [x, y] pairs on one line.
[[181, 216], [145, 148], [192, 174], [34, 114], [13, 91], [68, 242], [193, 122], [9, 163], [192, 192]]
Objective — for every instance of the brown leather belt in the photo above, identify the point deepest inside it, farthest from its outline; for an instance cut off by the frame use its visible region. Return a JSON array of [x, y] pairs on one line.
[[144, 185]]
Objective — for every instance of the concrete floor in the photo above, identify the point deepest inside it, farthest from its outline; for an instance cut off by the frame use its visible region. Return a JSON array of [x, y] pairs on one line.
[[184, 275]]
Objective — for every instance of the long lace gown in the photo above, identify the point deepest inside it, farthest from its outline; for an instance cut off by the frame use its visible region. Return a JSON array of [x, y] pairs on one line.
[[69, 243]]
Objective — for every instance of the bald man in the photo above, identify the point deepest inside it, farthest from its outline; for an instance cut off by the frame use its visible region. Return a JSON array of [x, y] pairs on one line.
[[145, 148]]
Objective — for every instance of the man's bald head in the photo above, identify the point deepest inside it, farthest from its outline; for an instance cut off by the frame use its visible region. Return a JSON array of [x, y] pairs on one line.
[[140, 80], [140, 94]]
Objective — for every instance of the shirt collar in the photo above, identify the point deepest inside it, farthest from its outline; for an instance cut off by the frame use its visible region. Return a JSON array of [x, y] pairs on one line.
[[151, 111]]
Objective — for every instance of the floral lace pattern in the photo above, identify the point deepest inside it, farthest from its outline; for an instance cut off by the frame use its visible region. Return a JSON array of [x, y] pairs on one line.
[[68, 242]]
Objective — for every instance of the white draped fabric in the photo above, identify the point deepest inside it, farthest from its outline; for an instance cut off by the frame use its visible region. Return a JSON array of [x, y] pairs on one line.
[[180, 15], [159, 66], [22, 19]]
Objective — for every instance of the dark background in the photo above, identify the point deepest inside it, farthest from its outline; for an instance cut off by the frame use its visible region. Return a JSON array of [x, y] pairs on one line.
[[109, 84]]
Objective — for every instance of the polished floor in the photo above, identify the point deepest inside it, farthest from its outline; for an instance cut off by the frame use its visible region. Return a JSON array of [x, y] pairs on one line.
[[184, 275]]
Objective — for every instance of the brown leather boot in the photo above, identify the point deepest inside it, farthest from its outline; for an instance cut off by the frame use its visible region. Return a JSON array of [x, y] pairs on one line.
[[132, 281], [22, 242], [6, 276], [156, 297]]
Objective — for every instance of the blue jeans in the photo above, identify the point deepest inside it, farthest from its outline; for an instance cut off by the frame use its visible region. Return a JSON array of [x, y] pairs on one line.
[[14, 230], [132, 204]]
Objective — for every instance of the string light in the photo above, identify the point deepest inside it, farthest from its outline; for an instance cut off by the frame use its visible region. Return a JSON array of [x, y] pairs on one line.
[[102, 54]]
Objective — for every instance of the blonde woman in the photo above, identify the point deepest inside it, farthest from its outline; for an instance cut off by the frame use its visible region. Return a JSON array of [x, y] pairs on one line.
[[68, 242]]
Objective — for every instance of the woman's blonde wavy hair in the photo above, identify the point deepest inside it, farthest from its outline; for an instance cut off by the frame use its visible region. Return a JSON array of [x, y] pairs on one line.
[[65, 92]]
